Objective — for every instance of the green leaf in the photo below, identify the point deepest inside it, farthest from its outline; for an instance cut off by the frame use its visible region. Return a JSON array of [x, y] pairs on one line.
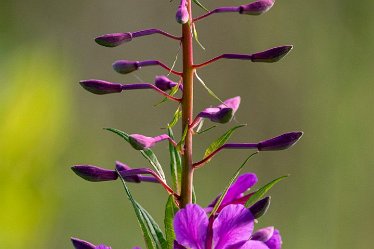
[[147, 154], [233, 178], [170, 211], [262, 191], [208, 129], [221, 140], [200, 5], [194, 198], [179, 145], [177, 115], [207, 88], [152, 234], [195, 35], [175, 163]]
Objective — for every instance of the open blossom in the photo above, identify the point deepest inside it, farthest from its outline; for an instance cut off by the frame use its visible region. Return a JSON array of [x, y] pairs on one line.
[[232, 228]]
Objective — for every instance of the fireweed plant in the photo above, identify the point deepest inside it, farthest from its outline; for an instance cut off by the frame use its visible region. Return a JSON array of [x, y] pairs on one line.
[[228, 222]]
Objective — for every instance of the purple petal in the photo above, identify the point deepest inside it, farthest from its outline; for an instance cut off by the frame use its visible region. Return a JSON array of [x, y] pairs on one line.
[[232, 103], [222, 113], [281, 142], [101, 86], [256, 8], [275, 242], [94, 174], [113, 40], [82, 244], [241, 185], [233, 225], [190, 225], [103, 247], [263, 234], [253, 244]]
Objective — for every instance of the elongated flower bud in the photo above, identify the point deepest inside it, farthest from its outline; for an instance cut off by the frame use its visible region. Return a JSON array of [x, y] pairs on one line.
[[164, 83], [113, 40], [281, 142], [260, 208], [182, 15], [125, 66], [256, 8], [223, 113], [271, 55], [81, 244], [141, 142], [94, 174], [100, 86]]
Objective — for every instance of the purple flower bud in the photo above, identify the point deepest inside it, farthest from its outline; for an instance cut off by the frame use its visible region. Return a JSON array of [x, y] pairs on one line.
[[141, 142], [81, 244], [113, 40], [260, 208], [164, 83], [281, 142], [122, 167], [263, 234], [271, 55], [125, 67], [222, 113], [256, 8], [182, 15], [94, 174], [101, 86]]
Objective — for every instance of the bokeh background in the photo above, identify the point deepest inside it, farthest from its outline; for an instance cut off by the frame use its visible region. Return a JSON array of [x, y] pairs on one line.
[[48, 122]]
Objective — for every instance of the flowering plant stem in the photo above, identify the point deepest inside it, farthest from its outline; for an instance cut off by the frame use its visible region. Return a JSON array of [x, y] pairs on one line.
[[187, 111]]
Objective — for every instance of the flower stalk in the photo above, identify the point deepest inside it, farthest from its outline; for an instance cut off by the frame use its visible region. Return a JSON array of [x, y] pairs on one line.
[[187, 109]]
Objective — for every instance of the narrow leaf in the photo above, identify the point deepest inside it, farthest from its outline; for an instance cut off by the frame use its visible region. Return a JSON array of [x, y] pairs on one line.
[[179, 145], [208, 129], [233, 178], [194, 198], [200, 126], [149, 231], [177, 115], [207, 88], [262, 191], [221, 140], [170, 211], [195, 35], [200, 5], [147, 154], [175, 163]]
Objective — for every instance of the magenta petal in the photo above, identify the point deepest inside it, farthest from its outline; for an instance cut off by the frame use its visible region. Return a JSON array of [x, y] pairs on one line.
[[233, 225], [275, 242], [254, 244], [242, 184], [190, 225]]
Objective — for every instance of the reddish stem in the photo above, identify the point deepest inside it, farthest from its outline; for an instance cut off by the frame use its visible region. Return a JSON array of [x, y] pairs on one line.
[[187, 110]]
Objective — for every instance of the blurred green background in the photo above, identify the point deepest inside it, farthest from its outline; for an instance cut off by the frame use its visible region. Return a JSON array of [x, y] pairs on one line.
[[48, 122]]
